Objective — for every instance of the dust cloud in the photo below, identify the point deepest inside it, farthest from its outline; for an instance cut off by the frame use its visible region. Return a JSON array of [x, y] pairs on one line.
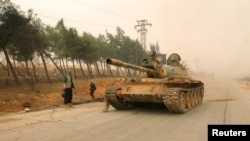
[[211, 36]]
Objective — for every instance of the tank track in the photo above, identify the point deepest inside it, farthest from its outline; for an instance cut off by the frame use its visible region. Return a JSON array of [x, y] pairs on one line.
[[179, 100], [115, 101]]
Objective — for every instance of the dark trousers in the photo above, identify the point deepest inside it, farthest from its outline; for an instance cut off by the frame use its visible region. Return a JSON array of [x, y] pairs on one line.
[[92, 94], [68, 96]]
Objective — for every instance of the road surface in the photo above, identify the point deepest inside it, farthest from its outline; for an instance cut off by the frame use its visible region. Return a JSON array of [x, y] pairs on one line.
[[225, 102]]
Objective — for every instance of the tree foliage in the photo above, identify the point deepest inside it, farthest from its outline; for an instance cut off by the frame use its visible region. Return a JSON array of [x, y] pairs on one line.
[[25, 37]]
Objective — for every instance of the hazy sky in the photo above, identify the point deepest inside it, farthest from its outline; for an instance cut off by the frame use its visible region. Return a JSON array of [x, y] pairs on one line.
[[210, 35]]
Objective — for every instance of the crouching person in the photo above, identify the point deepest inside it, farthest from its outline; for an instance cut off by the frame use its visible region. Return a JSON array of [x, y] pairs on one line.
[[106, 104]]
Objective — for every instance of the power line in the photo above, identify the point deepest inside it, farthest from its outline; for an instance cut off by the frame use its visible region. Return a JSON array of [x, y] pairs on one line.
[[86, 23], [84, 3], [100, 9], [76, 21], [141, 23]]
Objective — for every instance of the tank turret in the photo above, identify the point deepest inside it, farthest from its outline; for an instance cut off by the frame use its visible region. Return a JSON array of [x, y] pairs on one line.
[[154, 68]]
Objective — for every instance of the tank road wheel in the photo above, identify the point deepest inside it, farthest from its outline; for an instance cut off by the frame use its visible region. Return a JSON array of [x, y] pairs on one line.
[[183, 102], [197, 95], [189, 100], [199, 98], [193, 98], [119, 104], [116, 102]]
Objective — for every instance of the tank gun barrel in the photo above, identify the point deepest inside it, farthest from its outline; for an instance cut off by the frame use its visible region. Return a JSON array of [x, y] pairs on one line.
[[127, 65]]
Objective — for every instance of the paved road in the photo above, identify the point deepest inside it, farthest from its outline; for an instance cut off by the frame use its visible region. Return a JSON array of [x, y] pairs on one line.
[[225, 102]]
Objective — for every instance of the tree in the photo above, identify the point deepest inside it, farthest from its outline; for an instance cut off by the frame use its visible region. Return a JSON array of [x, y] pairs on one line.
[[90, 51], [10, 20], [22, 48], [41, 43], [71, 46], [53, 38], [105, 52]]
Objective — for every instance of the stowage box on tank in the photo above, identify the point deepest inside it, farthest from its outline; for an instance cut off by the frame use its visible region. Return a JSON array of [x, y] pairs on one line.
[[167, 83]]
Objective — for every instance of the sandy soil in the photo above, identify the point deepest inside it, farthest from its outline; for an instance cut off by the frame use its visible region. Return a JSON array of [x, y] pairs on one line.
[[44, 95]]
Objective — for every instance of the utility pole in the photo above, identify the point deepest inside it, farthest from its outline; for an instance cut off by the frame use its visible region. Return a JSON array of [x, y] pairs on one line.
[[142, 29]]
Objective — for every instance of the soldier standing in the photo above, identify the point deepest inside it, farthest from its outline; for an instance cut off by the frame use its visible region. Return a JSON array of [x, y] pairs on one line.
[[92, 90]]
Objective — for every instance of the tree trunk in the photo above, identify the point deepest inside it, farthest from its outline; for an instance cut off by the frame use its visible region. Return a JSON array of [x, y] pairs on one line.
[[63, 64], [5, 68], [11, 67], [27, 68], [67, 64], [34, 71], [105, 71], [16, 69], [129, 73], [60, 64], [52, 60], [45, 66], [83, 74], [109, 70], [102, 68], [121, 71], [98, 73], [73, 62], [89, 70], [117, 71]]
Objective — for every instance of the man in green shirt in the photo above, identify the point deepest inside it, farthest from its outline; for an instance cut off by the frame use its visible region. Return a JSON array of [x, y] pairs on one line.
[[68, 85]]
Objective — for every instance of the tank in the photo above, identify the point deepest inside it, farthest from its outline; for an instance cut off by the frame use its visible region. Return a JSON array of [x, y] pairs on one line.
[[160, 81]]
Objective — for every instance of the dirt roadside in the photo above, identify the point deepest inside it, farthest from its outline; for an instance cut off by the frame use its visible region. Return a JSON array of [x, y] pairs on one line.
[[44, 95]]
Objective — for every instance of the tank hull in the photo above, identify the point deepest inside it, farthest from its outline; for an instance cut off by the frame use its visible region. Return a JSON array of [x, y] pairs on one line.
[[179, 96]]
